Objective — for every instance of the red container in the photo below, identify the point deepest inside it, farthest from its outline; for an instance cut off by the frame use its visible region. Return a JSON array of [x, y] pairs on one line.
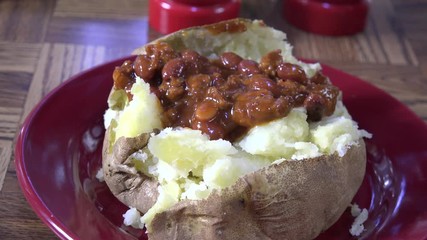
[[327, 17], [167, 16]]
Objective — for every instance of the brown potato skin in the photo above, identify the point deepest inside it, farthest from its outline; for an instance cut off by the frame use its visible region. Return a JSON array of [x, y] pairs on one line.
[[131, 187], [290, 200]]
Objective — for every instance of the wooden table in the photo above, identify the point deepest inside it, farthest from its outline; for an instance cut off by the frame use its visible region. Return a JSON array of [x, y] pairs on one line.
[[44, 42]]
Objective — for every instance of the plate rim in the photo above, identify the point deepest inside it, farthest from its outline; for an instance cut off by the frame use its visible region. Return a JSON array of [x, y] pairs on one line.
[[30, 193]]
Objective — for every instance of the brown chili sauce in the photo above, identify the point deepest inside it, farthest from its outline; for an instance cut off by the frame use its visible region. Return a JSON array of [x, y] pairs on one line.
[[227, 26], [226, 96]]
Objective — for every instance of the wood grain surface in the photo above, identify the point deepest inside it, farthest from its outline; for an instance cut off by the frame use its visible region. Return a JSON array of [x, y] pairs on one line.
[[44, 42]]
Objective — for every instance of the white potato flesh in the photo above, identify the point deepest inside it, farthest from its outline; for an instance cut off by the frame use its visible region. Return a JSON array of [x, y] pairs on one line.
[[168, 195], [187, 150], [133, 120], [277, 138]]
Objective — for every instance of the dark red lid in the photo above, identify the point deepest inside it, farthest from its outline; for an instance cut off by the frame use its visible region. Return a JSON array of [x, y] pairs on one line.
[[327, 17], [167, 16]]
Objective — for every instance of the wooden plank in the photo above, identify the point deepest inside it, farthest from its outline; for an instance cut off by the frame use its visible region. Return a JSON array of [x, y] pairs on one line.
[[408, 77], [5, 154], [10, 183], [16, 199], [17, 63], [125, 9], [35, 91], [390, 36], [25, 20], [59, 61], [405, 83], [412, 18], [18, 228], [13, 91], [13, 88], [10, 118], [107, 32], [18, 57], [382, 41]]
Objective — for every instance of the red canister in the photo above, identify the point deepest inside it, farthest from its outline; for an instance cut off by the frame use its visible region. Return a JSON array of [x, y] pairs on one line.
[[167, 16], [327, 17]]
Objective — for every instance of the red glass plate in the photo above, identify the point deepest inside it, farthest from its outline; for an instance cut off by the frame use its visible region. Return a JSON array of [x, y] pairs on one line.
[[58, 153]]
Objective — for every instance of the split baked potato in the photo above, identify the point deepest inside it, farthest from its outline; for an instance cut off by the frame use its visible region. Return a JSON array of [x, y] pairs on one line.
[[290, 177]]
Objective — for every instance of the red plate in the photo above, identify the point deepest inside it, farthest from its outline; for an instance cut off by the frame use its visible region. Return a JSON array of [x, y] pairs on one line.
[[58, 153]]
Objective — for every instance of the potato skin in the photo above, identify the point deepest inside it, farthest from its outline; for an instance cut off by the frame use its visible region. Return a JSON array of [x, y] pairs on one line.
[[290, 200], [131, 187]]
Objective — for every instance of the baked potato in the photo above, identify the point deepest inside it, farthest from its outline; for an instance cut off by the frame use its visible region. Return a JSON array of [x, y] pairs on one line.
[[285, 176]]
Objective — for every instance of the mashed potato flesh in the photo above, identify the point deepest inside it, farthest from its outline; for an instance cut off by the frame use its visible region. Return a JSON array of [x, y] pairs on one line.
[[277, 139], [133, 120], [187, 150]]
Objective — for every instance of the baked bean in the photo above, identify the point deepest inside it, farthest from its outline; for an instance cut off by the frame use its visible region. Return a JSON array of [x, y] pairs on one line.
[[160, 53], [318, 78], [258, 82], [270, 62], [283, 106], [143, 68], [214, 95], [296, 91], [172, 89], [314, 104], [196, 63], [127, 67], [173, 68], [287, 87], [254, 107], [217, 79], [248, 67], [230, 60], [206, 110], [288, 71], [299, 97], [330, 94], [198, 83], [191, 55]]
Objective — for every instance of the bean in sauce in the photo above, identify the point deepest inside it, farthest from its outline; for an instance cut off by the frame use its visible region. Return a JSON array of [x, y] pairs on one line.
[[288, 71], [226, 96], [230, 60], [248, 68]]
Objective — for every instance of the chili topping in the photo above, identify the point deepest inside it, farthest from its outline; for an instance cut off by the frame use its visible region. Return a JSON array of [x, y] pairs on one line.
[[227, 26], [226, 96]]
